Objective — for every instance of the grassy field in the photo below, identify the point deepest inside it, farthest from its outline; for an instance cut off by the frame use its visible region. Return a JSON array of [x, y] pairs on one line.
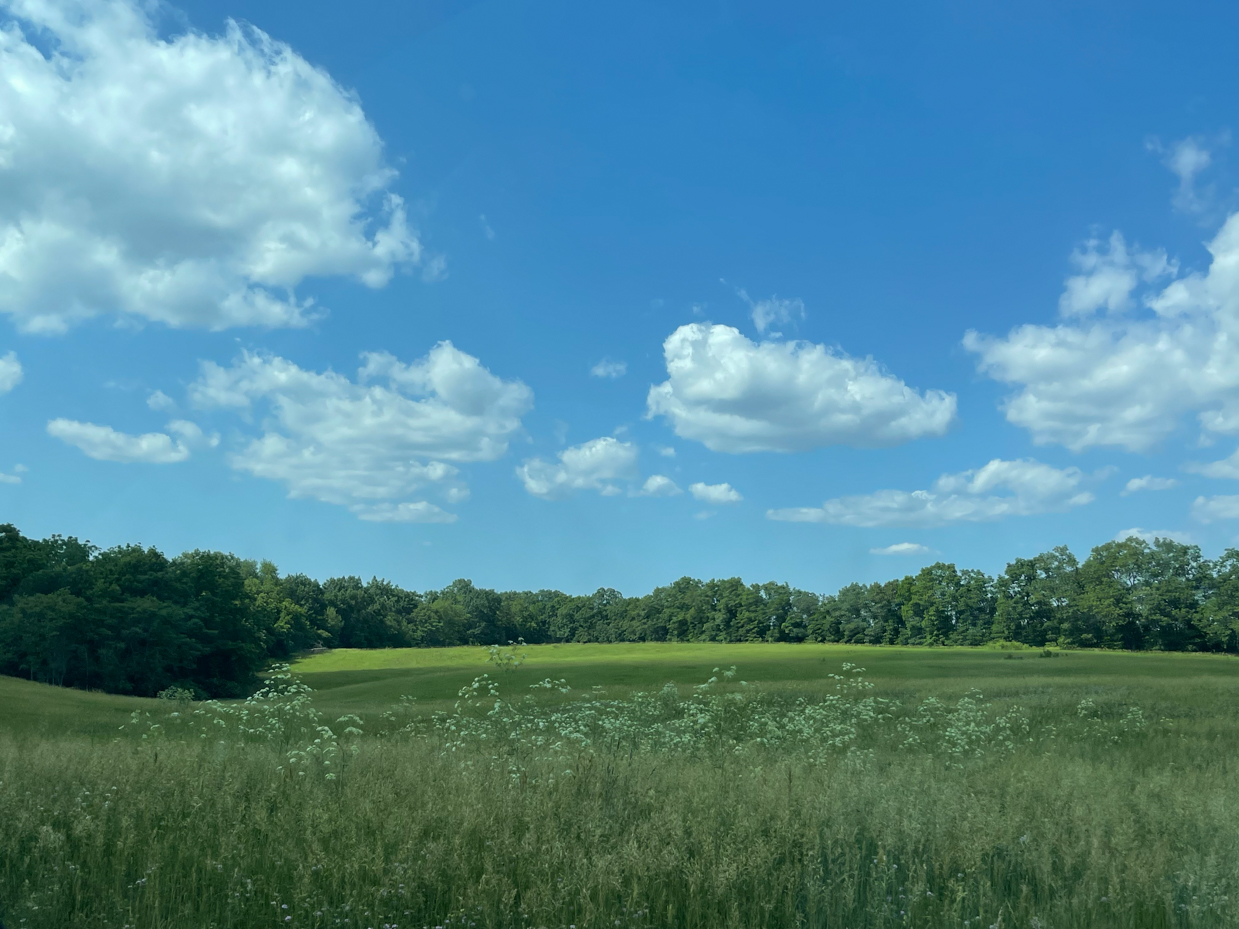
[[945, 787], [356, 680]]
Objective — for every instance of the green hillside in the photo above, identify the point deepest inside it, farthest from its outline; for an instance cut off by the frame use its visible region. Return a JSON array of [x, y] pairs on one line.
[[361, 680], [371, 680], [30, 708]]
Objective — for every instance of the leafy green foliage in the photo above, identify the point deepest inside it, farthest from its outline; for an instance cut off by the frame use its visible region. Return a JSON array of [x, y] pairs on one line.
[[129, 620]]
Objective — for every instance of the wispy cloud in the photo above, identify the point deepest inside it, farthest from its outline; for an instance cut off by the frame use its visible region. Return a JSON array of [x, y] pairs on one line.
[[772, 311], [609, 369], [999, 489], [903, 548], [11, 372], [1148, 482], [106, 444]]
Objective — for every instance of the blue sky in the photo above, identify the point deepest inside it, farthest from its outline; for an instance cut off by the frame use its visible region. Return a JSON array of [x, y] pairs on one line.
[[707, 272]]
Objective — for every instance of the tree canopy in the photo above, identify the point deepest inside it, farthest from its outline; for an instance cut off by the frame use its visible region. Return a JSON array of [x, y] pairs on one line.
[[131, 620]]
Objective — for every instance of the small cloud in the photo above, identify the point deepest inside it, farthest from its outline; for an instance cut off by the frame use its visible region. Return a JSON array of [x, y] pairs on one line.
[[1226, 468], [104, 443], [10, 372], [902, 548], [593, 465], [10, 478], [1148, 482], [657, 485], [716, 494], [704, 514], [1152, 535], [1211, 509], [486, 229], [1186, 159], [435, 269], [609, 369], [995, 491], [772, 311], [665, 450], [20, 469], [699, 309], [419, 512], [161, 401], [560, 430]]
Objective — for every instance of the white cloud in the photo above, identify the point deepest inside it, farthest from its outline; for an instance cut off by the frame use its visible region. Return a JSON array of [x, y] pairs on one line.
[[161, 401], [1108, 279], [734, 395], [106, 444], [1211, 509], [367, 445], [658, 485], [593, 465], [1187, 158], [194, 181], [1226, 468], [435, 269], [1152, 535], [1127, 379], [609, 369], [968, 496], [665, 450], [716, 494], [419, 512], [773, 311], [486, 229], [14, 478], [902, 548], [1148, 482], [11, 373]]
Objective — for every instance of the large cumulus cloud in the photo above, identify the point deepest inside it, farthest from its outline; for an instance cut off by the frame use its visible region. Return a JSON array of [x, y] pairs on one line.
[[1131, 357], [193, 180], [735, 395]]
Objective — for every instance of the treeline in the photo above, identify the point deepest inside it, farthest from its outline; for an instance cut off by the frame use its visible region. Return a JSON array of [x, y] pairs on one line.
[[130, 620]]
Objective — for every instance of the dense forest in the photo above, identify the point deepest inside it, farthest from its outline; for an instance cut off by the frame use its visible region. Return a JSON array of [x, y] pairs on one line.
[[131, 620]]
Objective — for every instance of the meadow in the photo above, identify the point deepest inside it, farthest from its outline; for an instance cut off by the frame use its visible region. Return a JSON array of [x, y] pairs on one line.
[[636, 785]]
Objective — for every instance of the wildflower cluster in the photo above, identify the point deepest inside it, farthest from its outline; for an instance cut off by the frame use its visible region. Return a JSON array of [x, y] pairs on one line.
[[281, 714], [727, 716], [722, 716]]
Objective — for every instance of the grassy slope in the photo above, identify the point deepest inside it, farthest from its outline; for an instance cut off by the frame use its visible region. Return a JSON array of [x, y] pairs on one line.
[[370, 681], [357, 681], [27, 708]]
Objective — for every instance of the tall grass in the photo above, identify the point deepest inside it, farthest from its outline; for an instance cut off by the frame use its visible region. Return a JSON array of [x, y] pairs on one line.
[[717, 807]]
